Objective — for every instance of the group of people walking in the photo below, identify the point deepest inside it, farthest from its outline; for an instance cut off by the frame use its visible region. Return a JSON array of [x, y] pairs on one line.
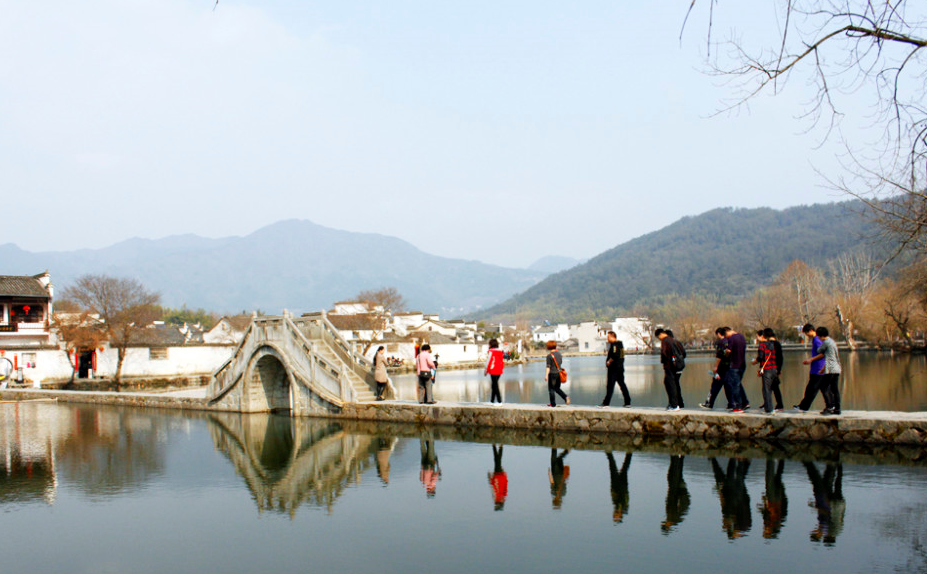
[[731, 365], [727, 372]]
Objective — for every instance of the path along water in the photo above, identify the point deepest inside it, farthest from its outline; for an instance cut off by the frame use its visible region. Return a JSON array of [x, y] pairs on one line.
[[871, 382]]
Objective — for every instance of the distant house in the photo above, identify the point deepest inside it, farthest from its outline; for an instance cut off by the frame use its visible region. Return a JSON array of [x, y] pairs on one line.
[[359, 326], [435, 326], [453, 351], [25, 310], [634, 332], [402, 323], [559, 333], [228, 331], [590, 336], [356, 308]]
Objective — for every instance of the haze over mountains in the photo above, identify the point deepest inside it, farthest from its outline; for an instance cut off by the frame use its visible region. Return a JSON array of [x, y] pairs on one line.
[[292, 264], [302, 266], [724, 253]]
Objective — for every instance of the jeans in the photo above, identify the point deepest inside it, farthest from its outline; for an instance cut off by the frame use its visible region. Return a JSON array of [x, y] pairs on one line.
[[831, 391], [673, 390], [425, 388], [553, 386], [770, 376], [616, 377], [717, 383], [735, 389], [495, 389], [811, 391], [380, 388]]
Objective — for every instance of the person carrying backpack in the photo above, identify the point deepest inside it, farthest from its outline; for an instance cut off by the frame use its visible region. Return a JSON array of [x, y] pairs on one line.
[[672, 356]]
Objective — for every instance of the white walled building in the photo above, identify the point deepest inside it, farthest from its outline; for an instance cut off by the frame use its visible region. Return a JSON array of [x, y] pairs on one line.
[[634, 332], [25, 310], [559, 333], [228, 331], [402, 323], [590, 336]]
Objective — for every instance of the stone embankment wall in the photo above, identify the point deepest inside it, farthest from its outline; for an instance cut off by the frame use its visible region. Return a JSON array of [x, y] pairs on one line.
[[851, 427]]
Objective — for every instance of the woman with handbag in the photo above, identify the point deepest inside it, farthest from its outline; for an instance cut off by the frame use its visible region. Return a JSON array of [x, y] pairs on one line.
[[379, 371], [555, 374], [425, 365]]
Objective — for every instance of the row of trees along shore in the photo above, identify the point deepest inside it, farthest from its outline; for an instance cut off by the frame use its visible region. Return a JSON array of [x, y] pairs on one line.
[[851, 296]]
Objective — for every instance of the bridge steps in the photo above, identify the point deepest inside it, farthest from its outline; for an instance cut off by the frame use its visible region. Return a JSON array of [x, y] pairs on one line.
[[362, 390]]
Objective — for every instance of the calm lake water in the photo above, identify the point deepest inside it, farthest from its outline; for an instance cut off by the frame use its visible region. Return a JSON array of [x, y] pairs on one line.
[[871, 381], [85, 489]]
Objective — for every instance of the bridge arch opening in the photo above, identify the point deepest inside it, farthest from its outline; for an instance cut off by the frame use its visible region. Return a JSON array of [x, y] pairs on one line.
[[271, 385]]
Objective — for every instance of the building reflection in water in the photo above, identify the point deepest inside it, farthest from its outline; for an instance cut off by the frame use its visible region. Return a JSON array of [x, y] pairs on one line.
[[100, 451], [736, 518], [498, 479], [618, 481], [677, 495], [775, 505], [27, 464], [287, 462], [828, 500]]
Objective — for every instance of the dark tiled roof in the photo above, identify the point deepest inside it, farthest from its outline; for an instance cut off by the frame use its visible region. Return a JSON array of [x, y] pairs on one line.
[[239, 322], [21, 286], [160, 335]]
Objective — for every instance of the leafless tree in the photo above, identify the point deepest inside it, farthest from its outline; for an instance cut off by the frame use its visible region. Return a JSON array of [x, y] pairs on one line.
[[866, 50], [806, 285], [389, 298], [124, 306]]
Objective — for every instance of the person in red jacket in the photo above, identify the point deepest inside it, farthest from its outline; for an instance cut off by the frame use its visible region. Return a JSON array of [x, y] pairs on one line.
[[494, 368]]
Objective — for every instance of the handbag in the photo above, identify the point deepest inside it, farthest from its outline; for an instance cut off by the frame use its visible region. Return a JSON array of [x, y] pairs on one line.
[[563, 373]]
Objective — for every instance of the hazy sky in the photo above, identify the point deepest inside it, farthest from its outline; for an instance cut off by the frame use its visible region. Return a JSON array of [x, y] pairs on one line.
[[497, 131]]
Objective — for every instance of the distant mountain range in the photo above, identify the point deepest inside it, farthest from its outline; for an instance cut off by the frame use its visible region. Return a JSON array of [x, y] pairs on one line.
[[725, 253], [292, 264]]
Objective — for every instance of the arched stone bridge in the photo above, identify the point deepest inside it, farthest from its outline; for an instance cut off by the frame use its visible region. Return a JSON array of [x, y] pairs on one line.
[[299, 365]]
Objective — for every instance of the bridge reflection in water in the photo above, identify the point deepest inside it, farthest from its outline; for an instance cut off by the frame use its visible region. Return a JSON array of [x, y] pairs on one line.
[[288, 461]]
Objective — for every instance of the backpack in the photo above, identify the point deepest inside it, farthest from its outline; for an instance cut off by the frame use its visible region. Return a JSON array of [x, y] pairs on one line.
[[679, 356]]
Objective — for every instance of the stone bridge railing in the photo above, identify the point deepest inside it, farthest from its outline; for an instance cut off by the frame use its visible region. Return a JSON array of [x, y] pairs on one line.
[[318, 368]]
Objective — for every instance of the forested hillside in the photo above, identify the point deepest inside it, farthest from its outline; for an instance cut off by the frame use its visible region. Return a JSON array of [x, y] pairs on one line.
[[724, 253]]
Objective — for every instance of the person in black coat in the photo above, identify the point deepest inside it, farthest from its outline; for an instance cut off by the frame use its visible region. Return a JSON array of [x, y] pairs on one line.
[[614, 367]]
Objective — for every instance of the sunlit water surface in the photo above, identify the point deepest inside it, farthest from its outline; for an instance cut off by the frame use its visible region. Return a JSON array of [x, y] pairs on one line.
[[86, 489]]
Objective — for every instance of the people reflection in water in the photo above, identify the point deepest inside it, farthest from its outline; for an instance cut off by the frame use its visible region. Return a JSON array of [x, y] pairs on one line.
[[775, 505], [558, 475], [677, 495], [498, 480], [385, 447], [619, 486], [829, 502], [735, 500], [431, 472]]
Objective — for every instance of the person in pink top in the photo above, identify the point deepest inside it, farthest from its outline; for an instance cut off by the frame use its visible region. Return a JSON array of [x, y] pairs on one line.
[[494, 368], [426, 367]]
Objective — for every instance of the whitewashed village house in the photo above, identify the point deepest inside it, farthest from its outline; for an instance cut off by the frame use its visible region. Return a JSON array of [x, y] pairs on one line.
[[29, 341]]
